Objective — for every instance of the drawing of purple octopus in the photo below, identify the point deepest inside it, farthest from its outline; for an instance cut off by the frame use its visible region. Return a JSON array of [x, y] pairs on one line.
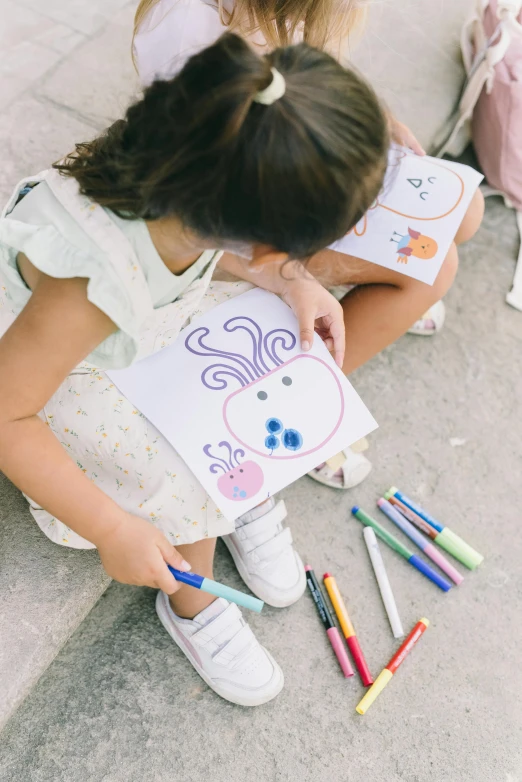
[[240, 480], [272, 409]]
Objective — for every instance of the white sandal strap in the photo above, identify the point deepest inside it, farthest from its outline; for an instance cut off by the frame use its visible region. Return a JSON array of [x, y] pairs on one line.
[[338, 461], [352, 460], [325, 472]]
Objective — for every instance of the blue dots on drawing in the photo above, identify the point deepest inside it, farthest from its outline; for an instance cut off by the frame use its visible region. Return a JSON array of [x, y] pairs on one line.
[[291, 439], [238, 493], [274, 427]]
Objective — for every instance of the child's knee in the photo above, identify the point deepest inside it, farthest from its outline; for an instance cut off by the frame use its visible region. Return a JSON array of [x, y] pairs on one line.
[[447, 274], [472, 219]]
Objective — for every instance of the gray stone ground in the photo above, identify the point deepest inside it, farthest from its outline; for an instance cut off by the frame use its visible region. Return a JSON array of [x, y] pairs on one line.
[[121, 704]]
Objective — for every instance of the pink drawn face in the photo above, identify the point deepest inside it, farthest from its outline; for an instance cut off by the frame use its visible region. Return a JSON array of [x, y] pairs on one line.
[[237, 480], [276, 415], [242, 482]]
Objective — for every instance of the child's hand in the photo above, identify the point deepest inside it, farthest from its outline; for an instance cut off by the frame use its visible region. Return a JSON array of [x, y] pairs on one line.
[[135, 552], [317, 311], [402, 135]]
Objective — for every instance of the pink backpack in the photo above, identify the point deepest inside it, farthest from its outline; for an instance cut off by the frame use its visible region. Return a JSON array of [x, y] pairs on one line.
[[491, 106]]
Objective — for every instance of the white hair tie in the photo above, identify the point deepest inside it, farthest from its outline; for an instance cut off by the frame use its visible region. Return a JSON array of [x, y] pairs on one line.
[[275, 90]]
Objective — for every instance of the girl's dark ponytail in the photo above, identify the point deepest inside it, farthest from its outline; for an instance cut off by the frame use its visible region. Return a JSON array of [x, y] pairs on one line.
[[294, 175]]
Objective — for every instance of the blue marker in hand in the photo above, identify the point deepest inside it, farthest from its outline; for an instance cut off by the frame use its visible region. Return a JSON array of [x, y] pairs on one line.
[[220, 590]]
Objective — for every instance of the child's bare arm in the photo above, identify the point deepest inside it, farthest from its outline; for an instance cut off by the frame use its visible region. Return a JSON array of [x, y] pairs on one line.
[[54, 332]]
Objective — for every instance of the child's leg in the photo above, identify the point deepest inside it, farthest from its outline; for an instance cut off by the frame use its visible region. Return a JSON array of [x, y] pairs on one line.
[[216, 639], [187, 601], [472, 219], [386, 303]]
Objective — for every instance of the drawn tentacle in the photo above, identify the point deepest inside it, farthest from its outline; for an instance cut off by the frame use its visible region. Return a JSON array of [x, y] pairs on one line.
[[217, 371], [278, 336], [245, 364], [257, 340], [206, 451]]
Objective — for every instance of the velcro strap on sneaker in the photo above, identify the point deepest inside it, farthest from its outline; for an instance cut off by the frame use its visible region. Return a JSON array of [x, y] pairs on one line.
[[212, 630], [239, 643], [272, 547], [271, 519]]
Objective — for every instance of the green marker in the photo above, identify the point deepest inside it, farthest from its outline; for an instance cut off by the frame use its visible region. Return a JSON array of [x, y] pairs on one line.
[[382, 533], [405, 552], [444, 537]]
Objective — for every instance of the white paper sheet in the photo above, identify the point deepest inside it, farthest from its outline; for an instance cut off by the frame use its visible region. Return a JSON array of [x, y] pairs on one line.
[[415, 218], [242, 405]]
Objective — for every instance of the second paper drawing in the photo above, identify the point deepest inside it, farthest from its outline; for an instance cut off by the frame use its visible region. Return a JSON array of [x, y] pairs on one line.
[[413, 221]]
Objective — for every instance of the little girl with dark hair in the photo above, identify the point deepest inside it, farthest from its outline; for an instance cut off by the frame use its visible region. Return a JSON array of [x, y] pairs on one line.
[[255, 162], [379, 304]]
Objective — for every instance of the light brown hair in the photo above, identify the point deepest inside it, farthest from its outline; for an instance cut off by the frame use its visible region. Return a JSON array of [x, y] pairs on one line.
[[324, 23]]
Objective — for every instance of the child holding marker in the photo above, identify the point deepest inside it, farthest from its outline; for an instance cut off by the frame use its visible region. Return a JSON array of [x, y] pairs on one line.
[[105, 257], [384, 304]]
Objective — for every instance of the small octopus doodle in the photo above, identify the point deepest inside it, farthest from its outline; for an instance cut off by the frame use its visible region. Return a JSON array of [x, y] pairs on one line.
[[240, 480]]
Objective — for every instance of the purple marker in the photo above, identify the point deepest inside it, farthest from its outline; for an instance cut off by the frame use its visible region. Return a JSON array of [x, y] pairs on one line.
[[424, 544]]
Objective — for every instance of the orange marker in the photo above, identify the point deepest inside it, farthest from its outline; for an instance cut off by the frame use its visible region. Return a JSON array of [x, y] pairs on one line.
[[347, 628]]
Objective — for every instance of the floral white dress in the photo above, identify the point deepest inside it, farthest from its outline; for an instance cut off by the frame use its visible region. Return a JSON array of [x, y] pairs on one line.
[[110, 441]]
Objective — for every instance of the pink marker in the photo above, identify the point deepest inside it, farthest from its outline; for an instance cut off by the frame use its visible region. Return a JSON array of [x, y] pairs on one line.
[[331, 630], [423, 543]]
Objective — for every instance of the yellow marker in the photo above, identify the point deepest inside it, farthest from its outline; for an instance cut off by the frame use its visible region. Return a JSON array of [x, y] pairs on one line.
[[347, 628], [387, 673]]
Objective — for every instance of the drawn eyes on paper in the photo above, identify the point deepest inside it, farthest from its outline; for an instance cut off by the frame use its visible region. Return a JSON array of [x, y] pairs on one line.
[[270, 414], [418, 185], [262, 395], [422, 189], [273, 417]]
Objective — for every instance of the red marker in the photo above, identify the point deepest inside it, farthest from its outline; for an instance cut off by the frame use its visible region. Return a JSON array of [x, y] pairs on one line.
[[347, 628], [331, 630], [387, 673]]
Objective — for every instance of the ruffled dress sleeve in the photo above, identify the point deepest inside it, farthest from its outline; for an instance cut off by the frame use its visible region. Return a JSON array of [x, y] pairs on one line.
[[57, 245]]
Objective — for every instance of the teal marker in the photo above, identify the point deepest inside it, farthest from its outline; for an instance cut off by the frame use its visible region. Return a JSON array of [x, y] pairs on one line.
[[220, 590], [405, 552], [445, 538]]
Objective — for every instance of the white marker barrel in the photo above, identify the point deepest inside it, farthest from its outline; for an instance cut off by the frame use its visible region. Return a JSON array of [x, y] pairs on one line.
[[383, 582]]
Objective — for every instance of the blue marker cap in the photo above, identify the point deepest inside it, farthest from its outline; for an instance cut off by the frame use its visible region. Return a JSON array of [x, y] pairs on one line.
[[429, 573], [192, 579], [355, 509]]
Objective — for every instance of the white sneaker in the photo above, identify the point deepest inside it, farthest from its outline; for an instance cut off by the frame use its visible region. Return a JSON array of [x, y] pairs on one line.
[[224, 651], [264, 556]]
